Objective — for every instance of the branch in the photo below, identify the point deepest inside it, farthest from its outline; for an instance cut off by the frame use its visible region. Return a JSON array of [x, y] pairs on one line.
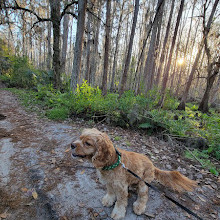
[[17, 7], [71, 13], [42, 20], [66, 7], [92, 13]]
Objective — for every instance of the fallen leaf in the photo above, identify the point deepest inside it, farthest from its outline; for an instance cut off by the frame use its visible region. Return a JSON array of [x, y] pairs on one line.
[[67, 150], [218, 179], [149, 215], [96, 214], [197, 207], [42, 163], [81, 160], [202, 199], [34, 194], [24, 189], [81, 205], [82, 172], [53, 160], [53, 152], [4, 215]]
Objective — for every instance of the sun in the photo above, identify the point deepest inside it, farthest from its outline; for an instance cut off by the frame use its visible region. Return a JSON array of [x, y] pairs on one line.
[[180, 61]]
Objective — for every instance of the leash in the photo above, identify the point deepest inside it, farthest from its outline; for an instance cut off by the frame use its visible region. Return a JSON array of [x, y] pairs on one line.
[[159, 191]]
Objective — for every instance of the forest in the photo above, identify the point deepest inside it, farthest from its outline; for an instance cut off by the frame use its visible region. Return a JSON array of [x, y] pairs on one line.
[[147, 65]]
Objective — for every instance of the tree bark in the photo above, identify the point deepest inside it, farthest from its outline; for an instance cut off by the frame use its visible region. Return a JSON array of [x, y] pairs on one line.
[[150, 62], [106, 56], [116, 47], [79, 45], [64, 40], [88, 69], [162, 57], [128, 58], [55, 17]]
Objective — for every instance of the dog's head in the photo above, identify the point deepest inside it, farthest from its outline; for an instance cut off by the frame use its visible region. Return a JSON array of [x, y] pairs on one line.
[[95, 145]]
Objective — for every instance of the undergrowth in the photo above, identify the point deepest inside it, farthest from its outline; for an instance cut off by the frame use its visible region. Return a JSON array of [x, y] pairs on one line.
[[132, 111]]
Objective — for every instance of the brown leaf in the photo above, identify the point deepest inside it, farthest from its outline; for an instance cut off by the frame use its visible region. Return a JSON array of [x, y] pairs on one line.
[[96, 214], [24, 189], [67, 150], [4, 215], [81, 160], [83, 171], [34, 194]]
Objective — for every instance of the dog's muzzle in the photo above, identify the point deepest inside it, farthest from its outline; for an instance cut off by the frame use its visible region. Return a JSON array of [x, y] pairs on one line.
[[73, 146]]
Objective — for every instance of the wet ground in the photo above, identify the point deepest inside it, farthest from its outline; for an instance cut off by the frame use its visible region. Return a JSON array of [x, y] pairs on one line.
[[39, 180]]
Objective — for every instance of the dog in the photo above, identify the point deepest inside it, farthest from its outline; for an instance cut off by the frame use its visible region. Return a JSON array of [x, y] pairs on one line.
[[97, 147]]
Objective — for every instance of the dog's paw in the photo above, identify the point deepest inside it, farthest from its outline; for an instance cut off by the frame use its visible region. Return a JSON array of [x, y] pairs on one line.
[[108, 200], [139, 208], [118, 213]]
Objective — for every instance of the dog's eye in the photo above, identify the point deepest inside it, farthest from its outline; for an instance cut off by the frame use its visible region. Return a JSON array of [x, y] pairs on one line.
[[87, 143]]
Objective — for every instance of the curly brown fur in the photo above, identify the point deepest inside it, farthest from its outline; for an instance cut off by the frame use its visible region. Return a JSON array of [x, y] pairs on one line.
[[97, 146]]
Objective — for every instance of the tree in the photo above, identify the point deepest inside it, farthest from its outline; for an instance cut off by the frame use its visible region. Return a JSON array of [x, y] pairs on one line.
[[116, 47], [162, 56], [189, 82], [166, 72], [128, 58], [106, 55], [78, 45], [64, 40], [151, 56]]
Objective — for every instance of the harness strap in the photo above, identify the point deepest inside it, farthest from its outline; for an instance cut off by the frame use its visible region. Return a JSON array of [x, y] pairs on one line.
[[157, 190]]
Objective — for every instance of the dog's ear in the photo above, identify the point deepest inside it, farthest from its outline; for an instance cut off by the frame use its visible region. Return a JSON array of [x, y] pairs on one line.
[[104, 151]]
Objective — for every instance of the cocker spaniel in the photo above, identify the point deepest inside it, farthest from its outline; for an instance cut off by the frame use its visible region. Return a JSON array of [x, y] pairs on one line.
[[97, 147]]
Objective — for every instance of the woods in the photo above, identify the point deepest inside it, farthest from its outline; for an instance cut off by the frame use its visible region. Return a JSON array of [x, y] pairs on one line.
[[143, 64], [99, 52]]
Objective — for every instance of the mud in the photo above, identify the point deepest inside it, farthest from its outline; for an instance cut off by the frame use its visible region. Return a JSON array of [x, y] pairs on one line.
[[34, 157]]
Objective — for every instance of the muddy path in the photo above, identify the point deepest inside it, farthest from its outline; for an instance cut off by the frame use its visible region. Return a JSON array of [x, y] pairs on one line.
[[39, 180]]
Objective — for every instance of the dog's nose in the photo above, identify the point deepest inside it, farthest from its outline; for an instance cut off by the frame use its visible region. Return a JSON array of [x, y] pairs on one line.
[[73, 146]]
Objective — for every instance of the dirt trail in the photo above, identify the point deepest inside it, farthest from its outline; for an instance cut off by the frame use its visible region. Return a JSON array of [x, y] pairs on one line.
[[35, 162]]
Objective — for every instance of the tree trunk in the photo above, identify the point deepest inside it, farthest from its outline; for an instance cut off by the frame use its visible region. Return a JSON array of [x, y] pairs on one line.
[[150, 62], [128, 58], [88, 70], [166, 73], [95, 56], [185, 50], [116, 47], [189, 82], [204, 107], [79, 45], [55, 17], [162, 57], [64, 40], [106, 56]]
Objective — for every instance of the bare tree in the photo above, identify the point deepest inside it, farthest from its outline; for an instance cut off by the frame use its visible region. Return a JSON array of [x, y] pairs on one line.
[[79, 45], [128, 58], [189, 82], [106, 56], [150, 61], [166, 72]]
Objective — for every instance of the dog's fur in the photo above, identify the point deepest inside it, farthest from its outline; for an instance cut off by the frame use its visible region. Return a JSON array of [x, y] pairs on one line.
[[97, 146]]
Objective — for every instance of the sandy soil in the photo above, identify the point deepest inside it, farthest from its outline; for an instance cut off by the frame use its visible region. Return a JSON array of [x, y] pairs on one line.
[[39, 180]]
